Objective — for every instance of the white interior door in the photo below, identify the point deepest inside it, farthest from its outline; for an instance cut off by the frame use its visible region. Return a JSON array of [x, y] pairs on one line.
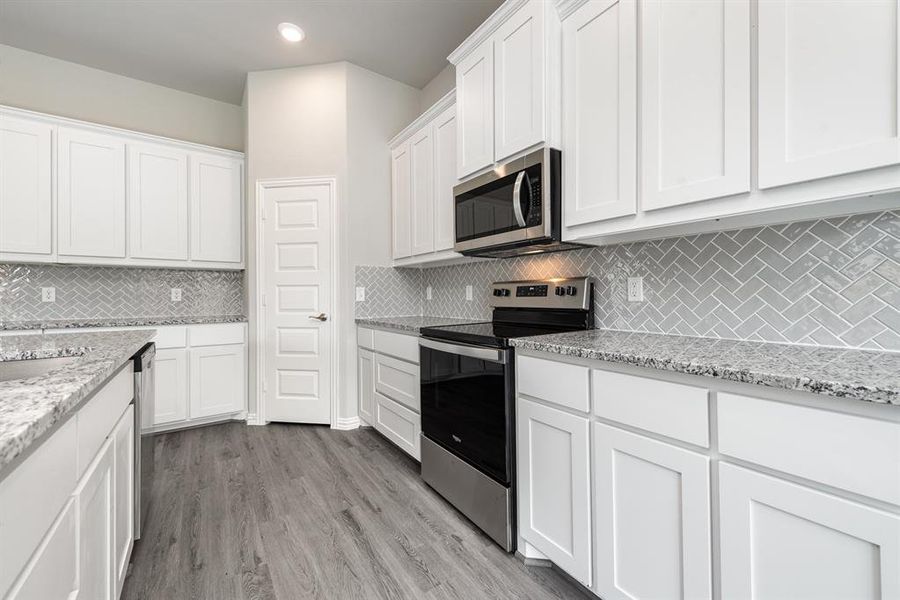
[[297, 261]]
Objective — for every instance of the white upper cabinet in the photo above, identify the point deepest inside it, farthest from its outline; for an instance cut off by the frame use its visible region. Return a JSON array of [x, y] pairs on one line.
[[25, 188], [421, 156], [828, 97], [444, 179], [91, 189], [475, 111], [695, 109], [216, 209], [158, 202], [600, 111], [401, 201], [519, 80]]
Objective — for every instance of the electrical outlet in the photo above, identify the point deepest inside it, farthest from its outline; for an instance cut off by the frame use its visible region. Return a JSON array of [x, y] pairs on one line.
[[428, 293], [48, 294], [175, 294], [360, 294], [469, 293], [635, 289]]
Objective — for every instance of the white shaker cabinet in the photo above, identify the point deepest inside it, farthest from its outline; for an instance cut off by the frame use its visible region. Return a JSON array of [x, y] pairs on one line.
[[53, 570], [217, 380], [600, 111], [171, 368], [783, 540], [828, 101], [216, 209], [25, 189], [652, 518], [444, 179], [157, 202], [96, 522], [554, 486], [366, 385], [421, 215], [123, 443], [475, 111], [91, 195], [401, 201], [695, 107]]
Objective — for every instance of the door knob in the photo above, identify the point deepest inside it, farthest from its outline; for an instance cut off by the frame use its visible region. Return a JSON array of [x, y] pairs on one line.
[[319, 317]]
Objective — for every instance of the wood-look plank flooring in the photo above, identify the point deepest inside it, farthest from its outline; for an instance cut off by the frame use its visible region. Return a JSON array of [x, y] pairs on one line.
[[293, 511]]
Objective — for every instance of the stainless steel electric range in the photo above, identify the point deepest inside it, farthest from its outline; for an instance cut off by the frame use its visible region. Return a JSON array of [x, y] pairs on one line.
[[468, 396]]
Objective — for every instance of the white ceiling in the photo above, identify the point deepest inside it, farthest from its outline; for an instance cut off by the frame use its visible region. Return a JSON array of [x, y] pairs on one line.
[[207, 46]]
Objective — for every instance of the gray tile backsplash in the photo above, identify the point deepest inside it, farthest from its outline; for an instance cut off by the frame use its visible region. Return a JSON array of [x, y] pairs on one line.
[[833, 282], [87, 292]]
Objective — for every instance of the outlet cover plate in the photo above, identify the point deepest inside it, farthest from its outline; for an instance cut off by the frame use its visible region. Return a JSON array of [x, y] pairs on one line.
[[469, 293], [175, 294], [48, 294], [428, 293], [635, 289], [360, 294]]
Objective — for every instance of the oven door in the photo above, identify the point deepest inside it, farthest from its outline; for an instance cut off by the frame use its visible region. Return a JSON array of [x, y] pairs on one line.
[[467, 403]]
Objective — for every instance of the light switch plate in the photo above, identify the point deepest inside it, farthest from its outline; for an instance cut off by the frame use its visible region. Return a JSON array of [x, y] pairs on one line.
[[360, 294], [469, 292], [48, 294], [635, 289], [428, 293], [175, 294]]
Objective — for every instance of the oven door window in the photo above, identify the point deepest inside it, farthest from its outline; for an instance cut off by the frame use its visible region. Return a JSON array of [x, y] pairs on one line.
[[495, 208], [464, 409]]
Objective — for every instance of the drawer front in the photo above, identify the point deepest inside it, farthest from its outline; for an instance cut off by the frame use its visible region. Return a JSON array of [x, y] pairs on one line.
[[398, 380], [670, 409], [399, 345], [218, 334], [170, 337], [853, 453], [556, 382], [97, 418], [365, 338], [30, 498], [398, 424]]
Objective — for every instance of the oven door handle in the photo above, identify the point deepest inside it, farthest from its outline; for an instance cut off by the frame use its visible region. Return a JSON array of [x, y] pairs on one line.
[[488, 354]]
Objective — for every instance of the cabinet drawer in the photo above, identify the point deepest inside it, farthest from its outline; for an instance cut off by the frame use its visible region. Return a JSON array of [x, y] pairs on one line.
[[398, 424], [31, 496], [671, 409], [398, 380], [397, 344], [97, 418], [853, 453], [560, 383], [365, 338], [217, 334], [170, 337]]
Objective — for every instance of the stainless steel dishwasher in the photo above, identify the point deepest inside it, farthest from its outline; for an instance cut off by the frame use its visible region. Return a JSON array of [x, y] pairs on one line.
[[144, 397]]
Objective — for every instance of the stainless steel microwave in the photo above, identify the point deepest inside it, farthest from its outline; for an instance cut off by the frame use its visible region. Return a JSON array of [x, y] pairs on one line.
[[513, 210]]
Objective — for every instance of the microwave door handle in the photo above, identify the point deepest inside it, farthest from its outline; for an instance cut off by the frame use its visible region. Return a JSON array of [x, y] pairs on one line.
[[517, 199]]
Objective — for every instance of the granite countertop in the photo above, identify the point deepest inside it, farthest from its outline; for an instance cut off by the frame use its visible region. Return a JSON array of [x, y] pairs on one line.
[[866, 375], [119, 322], [411, 324], [31, 407]]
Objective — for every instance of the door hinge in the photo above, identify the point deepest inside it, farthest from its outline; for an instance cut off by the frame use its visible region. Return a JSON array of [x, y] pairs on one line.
[[262, 299], [262, 212]]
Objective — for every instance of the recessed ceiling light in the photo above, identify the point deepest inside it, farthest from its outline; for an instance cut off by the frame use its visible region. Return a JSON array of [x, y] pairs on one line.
[[291, 32]]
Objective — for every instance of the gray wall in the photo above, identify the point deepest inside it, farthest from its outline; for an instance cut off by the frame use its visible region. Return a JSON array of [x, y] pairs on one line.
[[438, 87]]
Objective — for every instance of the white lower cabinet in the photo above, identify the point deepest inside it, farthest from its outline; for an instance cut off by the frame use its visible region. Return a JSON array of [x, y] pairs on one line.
[[53, 570], [554, 486], [95, 498], [399, 424], [366, 385], [123, 442], [171, 386], [652, 521], [217, 380], [783, 540]]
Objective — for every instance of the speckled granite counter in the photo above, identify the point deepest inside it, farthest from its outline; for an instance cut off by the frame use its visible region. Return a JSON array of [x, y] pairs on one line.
[[31, 407], [409, 324], [855, 374], [120, 322]]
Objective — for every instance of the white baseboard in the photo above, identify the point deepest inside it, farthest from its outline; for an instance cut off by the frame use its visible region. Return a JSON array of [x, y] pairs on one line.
[[253, 419], [344, 424]]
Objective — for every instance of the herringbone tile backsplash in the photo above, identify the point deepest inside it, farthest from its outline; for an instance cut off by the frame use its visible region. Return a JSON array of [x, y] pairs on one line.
[[833, 282], [85, 292]]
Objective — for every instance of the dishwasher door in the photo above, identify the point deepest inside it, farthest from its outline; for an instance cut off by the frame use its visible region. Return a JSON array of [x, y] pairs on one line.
[[144, 401]]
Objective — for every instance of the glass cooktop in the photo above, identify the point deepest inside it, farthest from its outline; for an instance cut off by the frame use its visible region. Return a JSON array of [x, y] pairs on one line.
[[491, 334]]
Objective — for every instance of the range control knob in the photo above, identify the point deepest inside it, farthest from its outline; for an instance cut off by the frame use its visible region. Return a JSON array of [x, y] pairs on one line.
[[504, 292], [498, 292], [560, 291], [571, 289]]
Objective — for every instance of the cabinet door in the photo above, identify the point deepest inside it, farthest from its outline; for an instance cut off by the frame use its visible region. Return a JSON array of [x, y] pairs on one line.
[[475, 111], [600, 111], [782, 540], [652, 518], [695, 107], [91, 194], [25, 183], [53, 570], [170, 372], [157, 202], [401, 179], [123, 443], [217, 380], [519, 81], [366, 385], [444, 179], [554, 486], [216, 209], [421, 156], [828, 76], [96, 521]]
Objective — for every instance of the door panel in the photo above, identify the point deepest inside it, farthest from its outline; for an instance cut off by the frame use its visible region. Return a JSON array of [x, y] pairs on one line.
[[475, 111], [217, 215], [123, 436], [401, 201], [170, 371], [421, 152], [218, 386], [53, 570], [444, 178], [96, 522], [25, 184], [158, 202], [366, 385]]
